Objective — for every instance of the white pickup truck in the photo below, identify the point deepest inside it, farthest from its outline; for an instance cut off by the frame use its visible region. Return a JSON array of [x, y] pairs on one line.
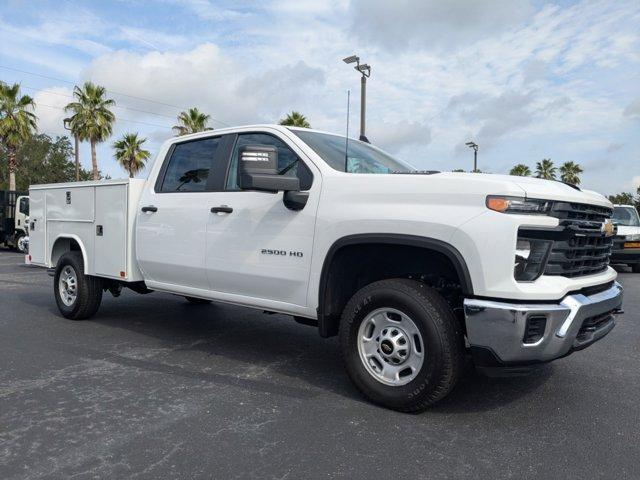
[[412, 269]]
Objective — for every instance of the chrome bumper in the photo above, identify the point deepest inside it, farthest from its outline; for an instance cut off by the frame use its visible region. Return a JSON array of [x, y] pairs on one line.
[[497, 329]]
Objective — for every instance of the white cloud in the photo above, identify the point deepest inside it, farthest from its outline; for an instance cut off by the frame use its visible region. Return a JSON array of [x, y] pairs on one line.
[[403, 24], [633, 109], [50, 105]]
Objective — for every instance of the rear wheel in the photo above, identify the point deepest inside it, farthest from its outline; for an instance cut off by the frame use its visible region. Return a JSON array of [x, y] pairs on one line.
[[401, 344], [78, 295], [635, 268], [197, 301]]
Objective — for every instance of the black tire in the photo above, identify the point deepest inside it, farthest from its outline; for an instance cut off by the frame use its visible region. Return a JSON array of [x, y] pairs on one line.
[[197, 301], [17, 243], [441, 334], [635, 267], [88, 290]]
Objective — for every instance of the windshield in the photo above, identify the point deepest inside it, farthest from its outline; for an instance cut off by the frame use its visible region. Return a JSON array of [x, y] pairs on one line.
[[361, 157], [627, 216]]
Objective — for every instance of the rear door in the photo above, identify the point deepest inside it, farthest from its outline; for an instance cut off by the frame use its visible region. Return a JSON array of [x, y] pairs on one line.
[[171, 233], [261, 249]]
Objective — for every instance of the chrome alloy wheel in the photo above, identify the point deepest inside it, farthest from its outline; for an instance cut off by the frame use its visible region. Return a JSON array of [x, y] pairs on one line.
[[390, 346], [68, 285]]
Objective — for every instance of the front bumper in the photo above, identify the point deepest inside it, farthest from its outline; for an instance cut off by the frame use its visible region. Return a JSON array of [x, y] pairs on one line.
[[498, 332]]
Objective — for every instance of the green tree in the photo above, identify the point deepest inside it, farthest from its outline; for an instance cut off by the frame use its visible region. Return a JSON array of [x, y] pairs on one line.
[[91, 118], [17, 125], [42, 159], [192, 121], [520, 170], [624, 198], [295, 119], [130, 154], [570, 173], [545, 169]]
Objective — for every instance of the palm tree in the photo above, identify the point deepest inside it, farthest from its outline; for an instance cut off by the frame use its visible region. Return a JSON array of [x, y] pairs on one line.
[[295, 119], [570, 173], [91, 118], [545, 169], [17, 124], [130, 154], [192, 121], [520, 170]]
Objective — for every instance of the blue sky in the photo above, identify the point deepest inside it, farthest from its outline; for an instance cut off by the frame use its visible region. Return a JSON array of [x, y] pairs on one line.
[[525, 79]]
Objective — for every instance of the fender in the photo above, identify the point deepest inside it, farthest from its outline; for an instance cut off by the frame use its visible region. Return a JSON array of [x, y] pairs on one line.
[[74, 237], [439, 246]]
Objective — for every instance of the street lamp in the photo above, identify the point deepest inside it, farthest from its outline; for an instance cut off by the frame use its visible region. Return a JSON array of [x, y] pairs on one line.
[[67, 125], [365, 71], [475, 154]]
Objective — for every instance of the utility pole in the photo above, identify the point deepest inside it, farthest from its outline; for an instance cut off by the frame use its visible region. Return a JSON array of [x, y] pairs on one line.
[[365, 71], [76, 150], [475, 154]]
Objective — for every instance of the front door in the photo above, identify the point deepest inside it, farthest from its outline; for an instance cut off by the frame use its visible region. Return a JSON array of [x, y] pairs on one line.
[[172, 222], [261, 249]]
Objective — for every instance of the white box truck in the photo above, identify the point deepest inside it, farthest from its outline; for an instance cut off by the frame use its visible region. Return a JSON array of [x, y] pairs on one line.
[[413, 270]]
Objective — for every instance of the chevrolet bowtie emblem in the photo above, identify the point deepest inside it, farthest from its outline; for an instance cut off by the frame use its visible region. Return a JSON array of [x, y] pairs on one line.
[[608, 228]]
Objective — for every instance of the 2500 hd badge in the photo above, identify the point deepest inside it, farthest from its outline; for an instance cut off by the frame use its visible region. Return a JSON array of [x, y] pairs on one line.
[[267, 251]]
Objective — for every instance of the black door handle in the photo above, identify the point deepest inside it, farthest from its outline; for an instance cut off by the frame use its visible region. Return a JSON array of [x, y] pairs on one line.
[[221, 209], [149, 208]]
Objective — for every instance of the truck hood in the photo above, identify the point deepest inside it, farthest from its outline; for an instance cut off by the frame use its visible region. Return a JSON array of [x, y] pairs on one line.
[[542, 189]]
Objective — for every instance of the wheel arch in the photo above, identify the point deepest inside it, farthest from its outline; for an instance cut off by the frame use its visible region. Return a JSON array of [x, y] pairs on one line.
[[67, 243], [328, 320]]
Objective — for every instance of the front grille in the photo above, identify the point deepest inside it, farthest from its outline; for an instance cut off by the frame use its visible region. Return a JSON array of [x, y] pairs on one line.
[[618, 242], [584, 249]]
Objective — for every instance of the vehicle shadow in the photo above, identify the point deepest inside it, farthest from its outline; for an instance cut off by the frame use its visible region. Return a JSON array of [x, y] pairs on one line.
[[271, 347]]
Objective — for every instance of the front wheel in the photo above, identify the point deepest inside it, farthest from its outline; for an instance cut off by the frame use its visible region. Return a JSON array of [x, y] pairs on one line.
[[401, 344], [78, 295], [21, 245], [635, 268]]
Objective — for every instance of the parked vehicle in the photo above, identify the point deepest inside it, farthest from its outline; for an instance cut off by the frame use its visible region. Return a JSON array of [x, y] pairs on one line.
[[411, 269], [626, 245], [14, 218]]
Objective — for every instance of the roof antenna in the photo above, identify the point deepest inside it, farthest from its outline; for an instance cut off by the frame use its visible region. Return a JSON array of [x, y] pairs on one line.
[[346, 141]]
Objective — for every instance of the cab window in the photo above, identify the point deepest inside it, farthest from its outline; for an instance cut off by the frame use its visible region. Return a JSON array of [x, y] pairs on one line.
[[24, 206], [288, 162], [189, 166]]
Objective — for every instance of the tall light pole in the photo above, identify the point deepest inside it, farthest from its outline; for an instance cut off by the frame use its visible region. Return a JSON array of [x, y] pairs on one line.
[[475, 154], [365, 71], [76, 152]]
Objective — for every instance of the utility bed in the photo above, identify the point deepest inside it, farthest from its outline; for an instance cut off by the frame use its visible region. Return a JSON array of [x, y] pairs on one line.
[[99, 215]]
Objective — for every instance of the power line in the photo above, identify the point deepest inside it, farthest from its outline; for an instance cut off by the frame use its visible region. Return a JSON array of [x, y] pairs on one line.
[[115, 106], [118, 118], [108, 90]]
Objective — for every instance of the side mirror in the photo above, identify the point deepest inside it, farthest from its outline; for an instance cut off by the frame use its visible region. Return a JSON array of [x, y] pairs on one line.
[[258, 170]]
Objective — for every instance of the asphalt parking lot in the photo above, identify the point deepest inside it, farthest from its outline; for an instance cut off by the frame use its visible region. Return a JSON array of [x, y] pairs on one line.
[[153, 387]]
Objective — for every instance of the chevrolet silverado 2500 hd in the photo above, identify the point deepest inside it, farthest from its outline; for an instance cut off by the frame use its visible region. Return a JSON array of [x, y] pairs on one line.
[[411, 269]]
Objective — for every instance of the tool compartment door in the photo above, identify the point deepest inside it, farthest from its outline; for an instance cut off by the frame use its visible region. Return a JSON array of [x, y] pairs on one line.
[[110, 230], [37, 227]]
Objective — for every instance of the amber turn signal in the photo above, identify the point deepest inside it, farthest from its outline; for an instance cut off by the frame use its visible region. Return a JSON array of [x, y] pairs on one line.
[[498, 204]]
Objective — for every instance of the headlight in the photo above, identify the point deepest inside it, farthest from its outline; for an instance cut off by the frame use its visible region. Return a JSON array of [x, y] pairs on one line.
[[531, 258], [527, 206]]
